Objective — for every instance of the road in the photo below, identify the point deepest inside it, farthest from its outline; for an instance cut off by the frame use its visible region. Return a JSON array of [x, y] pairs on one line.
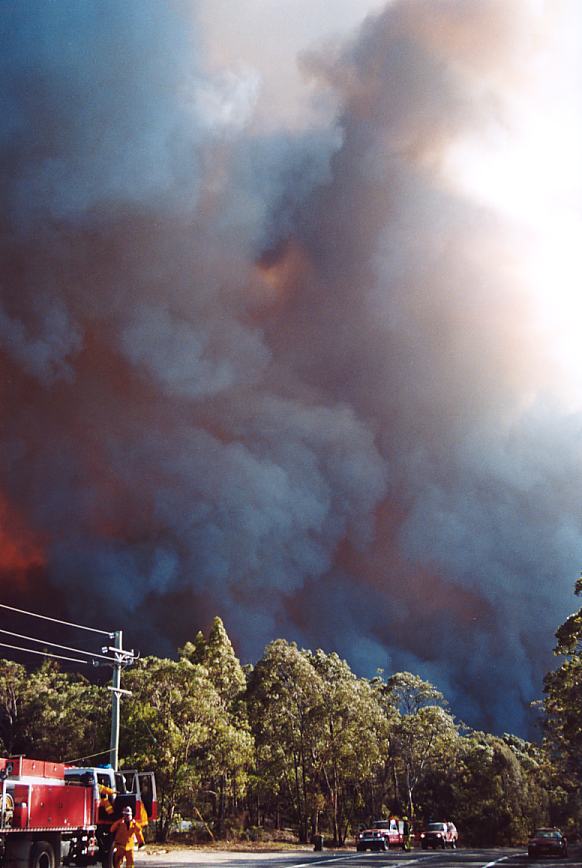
[[504, 858]]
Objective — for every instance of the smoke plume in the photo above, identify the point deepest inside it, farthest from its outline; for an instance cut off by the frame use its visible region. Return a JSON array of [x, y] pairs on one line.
[[275, 338]]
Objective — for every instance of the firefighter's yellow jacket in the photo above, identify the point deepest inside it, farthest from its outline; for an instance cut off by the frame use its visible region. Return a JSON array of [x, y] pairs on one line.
[[106, 795], [125, 834]]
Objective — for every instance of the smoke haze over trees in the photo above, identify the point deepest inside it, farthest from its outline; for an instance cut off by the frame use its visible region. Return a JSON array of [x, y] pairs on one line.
[[275, 337]]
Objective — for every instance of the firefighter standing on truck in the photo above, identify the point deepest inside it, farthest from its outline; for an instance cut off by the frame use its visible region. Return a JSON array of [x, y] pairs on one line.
[[106, 796], [126, 832]]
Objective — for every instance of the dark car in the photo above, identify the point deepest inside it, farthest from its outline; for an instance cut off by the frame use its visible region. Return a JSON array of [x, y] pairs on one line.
[[548, 842]]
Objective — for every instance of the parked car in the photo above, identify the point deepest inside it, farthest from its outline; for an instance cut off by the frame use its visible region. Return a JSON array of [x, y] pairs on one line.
[[439, 835], [381, 835], [549, 842]]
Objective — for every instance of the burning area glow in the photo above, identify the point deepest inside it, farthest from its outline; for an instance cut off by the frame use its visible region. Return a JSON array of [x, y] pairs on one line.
[[20, 552], [288, 326]]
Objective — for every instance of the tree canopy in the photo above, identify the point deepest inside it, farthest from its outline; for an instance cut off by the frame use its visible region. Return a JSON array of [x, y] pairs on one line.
[[300, 741]]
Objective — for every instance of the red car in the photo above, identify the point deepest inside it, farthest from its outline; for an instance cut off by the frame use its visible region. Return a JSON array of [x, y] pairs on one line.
[[549, 842], [439, 835]]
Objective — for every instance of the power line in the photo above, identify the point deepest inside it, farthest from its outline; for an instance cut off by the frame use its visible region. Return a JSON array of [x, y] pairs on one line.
[[56, 645], [120, 659], [42, 653], [70, 762], [57, 621]]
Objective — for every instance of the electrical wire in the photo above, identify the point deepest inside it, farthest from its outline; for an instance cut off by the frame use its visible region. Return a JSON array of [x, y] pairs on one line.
[[79, 759], [57, 621], [56, 645], [43, 653]]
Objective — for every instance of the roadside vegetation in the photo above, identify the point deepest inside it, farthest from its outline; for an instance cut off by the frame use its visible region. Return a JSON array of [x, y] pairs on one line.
[[299, 745]]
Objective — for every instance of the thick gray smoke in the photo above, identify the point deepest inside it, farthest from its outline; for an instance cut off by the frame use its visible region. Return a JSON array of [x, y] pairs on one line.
[[284, 373]]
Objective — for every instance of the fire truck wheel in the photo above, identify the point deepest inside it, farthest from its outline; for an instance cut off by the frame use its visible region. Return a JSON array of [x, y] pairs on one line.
[[42, 855]]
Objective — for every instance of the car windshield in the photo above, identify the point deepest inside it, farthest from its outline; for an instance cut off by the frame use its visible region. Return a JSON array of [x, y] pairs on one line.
[[382, 824], [436, 827], [547, 833]]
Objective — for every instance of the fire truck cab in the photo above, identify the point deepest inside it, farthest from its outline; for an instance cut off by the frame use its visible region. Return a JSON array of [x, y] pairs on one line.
[[120, 789], [128, 787]]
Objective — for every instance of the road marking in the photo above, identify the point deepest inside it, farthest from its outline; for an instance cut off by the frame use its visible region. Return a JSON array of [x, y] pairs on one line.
[[359, 856], [429, 856], [503, 858], [328, 860]]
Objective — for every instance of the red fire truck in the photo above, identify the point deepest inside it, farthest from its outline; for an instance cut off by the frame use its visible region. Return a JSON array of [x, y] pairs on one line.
[[50, 813], [382, 835]]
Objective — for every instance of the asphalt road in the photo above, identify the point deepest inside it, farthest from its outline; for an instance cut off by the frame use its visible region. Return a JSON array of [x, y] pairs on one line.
[[448, 859]]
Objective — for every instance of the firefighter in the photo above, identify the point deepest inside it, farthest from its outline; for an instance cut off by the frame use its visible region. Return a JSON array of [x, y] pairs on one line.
[[106, 795], [143, 815], [126, 832], [406, 834]]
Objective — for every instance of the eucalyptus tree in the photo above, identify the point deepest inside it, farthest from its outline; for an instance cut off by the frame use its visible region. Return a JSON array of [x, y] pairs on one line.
[[498, 788], [51, 714], [408, 693], [563, 723], [13, 704], [352, 739], [230, 753], [167, 726], [563, 703], [284, 701], [217, 655], [423, 733]]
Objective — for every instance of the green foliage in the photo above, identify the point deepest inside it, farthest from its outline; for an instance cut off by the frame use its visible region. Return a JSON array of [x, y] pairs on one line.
[[229, 755], [321, 736], [13, 705], [563, 707], [283, 696], [498, 789], [352, 739], [50, 714], [217, 655], [408, 693], [569, 635], [423, 742], [299, 740], [168, 724]]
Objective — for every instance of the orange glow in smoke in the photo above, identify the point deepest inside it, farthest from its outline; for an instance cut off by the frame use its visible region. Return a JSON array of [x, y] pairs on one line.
[[20, 550], [416, 587], [281, 270]]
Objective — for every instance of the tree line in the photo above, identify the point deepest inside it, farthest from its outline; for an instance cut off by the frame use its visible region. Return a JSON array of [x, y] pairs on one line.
[[299, 742]]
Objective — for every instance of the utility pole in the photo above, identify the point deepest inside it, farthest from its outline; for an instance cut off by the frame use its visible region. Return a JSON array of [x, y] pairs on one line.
[[115, 699], [121, 658], [113, 655]]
